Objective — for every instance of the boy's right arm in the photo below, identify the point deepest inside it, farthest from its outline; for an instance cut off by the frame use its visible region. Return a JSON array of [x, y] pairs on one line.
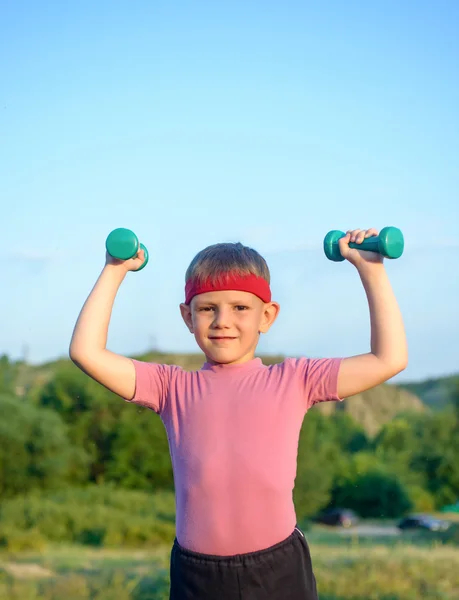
[[88, 345]]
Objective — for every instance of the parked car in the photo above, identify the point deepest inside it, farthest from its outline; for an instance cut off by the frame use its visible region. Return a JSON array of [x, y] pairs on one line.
[[423, 522], [342, 517]]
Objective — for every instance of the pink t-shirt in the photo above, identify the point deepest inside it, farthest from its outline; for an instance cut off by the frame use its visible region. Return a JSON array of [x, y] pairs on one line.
[[233, 435]]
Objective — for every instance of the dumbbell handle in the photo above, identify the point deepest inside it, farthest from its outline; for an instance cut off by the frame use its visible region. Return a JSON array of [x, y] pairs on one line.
[[389, 243]]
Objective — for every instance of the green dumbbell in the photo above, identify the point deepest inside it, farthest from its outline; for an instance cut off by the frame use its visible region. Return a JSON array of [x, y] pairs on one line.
[[389, 243], [124, 244]]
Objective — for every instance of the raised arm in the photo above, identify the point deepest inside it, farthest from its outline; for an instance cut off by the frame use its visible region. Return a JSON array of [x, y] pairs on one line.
[[88, 345], [389, 353]]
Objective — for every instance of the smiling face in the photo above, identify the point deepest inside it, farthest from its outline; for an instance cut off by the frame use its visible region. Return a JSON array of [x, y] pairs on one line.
[[227, 324]]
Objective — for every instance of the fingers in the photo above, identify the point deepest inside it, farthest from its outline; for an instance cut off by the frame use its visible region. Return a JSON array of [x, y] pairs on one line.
[[140, 255], [371, 232], [358, 235], [138, 260]]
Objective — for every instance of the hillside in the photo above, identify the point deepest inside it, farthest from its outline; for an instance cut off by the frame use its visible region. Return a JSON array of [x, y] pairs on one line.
[[375, 407], [436, 393]]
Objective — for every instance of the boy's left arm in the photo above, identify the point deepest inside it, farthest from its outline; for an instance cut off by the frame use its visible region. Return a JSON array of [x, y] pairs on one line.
[[389, 354]]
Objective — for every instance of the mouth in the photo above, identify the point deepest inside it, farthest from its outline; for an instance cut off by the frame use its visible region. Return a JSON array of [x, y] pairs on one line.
[[221, 337]]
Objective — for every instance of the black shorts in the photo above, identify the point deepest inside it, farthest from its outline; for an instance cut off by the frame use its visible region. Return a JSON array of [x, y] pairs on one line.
[[280, 572]]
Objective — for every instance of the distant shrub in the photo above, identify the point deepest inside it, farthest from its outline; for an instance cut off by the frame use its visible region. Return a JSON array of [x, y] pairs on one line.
[[16, 540], [35, 450], [373, 494], [450, 536], [421, 499], [96, 516]]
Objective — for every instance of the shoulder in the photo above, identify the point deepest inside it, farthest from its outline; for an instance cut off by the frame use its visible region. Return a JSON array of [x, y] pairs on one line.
[[290, 365], [158, 369], [154, 382], [305, 368], [304, 362], [165, 374]]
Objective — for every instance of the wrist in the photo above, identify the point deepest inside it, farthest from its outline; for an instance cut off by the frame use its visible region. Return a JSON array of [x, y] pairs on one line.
[[369, 270], [116, 272]]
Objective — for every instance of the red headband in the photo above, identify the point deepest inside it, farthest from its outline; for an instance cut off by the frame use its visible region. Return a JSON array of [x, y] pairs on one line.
[[232, 281]]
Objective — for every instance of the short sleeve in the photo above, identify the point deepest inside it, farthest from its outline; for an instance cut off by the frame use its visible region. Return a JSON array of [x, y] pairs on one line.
[[152, 383], [318, 378]]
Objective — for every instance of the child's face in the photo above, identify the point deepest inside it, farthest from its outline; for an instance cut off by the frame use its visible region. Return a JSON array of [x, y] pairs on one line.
[[227, 324]]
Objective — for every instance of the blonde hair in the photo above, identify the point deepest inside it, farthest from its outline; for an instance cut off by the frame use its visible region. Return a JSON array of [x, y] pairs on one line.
[[216, 261]]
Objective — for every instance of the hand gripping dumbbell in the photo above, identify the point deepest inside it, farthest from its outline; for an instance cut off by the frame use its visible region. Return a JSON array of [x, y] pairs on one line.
[[123, 244], [389, 243]]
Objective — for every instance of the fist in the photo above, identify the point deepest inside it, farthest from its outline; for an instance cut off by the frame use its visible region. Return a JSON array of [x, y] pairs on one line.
[[354, 255], [131, 264]]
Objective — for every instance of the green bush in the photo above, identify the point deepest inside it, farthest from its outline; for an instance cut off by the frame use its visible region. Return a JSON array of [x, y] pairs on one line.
[[450, 536], [373, 494], [96, 516], [17, 540], [126, 444], [318, 455], [421, 499], [35, 451]]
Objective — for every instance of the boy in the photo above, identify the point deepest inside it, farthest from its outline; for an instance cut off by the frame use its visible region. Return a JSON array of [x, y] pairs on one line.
[[233, 426]]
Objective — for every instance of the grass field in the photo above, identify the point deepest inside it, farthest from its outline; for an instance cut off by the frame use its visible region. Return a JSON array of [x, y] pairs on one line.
[[346, 567]]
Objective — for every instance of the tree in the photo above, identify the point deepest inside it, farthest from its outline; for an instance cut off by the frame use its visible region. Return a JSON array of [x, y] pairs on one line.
[[140, 456], [35, 451], [8, 373], [90, 411], [126, 444], [318, 458], [347, 433], [373, 494], [436, 456], [455, 401]]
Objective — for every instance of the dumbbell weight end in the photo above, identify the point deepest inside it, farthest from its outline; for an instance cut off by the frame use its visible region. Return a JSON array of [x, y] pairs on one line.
[[123, 244]]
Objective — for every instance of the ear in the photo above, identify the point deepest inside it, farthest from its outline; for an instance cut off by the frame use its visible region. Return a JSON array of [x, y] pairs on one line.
[[268, 316], [185, 310]]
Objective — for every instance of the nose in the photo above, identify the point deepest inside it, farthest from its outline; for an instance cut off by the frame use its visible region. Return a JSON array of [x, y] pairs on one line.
[[222, 318]]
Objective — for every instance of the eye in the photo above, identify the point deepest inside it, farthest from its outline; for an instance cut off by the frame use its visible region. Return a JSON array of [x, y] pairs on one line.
[[205, 308], [241, 307]]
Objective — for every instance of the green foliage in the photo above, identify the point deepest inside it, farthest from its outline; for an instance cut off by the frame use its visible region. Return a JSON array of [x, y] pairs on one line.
[[422, 501], [407, 570], [369, 489], [8, 375], [435, 455], [367, 453], [140, 456], [396, 438], [375, 407], [436, 393], [346, 433], [35, 451], [91, 412], [95, 516], [126, 444], [454, 394], [107, 584], [71, 429], [393, 447], [317, 460], [450, 536], [20, 540]]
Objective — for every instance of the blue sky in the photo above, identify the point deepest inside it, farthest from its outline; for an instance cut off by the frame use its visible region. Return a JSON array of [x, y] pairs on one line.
[[197, 122]]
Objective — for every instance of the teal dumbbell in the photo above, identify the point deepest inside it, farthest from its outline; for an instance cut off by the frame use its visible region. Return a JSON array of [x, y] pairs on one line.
[[389, 243], [124, 244]]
